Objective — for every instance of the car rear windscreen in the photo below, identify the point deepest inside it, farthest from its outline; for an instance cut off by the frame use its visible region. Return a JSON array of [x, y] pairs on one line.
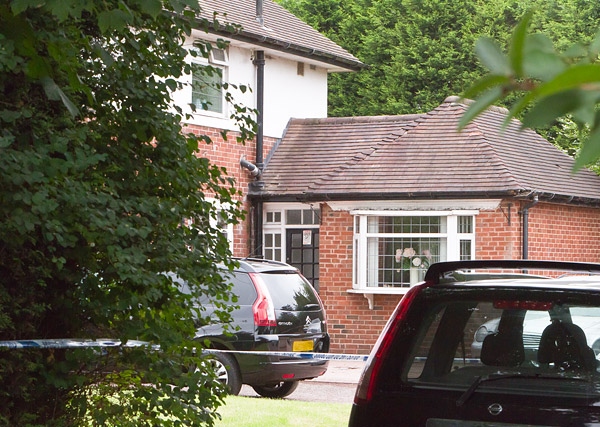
[[290, 292], [536, 340]]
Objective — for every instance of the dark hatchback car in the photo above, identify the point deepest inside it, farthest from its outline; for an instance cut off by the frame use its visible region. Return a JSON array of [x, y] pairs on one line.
[[422, 372], [277, 310]]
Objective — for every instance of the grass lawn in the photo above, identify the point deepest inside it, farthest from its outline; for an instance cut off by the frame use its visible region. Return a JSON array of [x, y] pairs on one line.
[[241, 411]]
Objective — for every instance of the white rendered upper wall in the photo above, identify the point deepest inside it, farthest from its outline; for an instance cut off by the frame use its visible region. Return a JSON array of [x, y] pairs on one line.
[[290, 90]]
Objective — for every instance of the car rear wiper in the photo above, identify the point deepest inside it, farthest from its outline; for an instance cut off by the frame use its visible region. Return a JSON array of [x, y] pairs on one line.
[[500, 376], [311, 307]]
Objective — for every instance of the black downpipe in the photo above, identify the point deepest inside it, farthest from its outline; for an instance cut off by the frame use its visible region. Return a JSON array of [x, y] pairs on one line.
[[525, 213], [259, 62]]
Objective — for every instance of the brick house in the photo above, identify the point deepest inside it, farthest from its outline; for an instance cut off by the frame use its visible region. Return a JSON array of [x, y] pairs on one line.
[[284, 61], [344, 198], [371, 188]]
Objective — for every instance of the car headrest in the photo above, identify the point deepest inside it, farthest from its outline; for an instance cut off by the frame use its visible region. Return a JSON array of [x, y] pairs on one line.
[[565, 345], [503, 348]]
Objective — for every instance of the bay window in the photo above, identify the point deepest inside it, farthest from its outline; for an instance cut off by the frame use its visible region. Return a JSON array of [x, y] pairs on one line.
[[394, 249]]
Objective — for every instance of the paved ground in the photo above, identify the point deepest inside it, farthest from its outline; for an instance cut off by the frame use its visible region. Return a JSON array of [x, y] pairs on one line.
[[342, 371], [337, 385]]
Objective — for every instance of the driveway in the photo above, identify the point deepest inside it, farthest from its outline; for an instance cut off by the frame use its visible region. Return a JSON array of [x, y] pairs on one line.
[[337, 385]]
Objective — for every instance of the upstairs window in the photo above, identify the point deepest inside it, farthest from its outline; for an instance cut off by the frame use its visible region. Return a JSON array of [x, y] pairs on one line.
[[208, 79]]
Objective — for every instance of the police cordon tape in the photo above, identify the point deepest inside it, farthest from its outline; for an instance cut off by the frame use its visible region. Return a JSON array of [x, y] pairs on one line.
[[108, 343], [299, 355], [70, 343]]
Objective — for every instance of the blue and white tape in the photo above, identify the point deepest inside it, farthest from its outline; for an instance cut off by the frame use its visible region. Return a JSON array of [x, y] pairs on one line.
[[299, 355], [70, 343], [104, 343]]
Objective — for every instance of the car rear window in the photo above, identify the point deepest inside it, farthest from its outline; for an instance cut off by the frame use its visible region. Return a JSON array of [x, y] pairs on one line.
[[457, 336], [291, 292], [243, 288]]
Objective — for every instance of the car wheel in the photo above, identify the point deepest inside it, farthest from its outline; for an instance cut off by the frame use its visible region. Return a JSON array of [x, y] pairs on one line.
[[227, 371], [278, 390]]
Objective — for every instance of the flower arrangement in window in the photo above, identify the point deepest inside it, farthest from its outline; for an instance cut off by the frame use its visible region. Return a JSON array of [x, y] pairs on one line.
[[409, 258]]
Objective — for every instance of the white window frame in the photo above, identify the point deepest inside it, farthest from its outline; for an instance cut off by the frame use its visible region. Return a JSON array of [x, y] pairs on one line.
[[216, 59], [218, 63], [228, 226], [361, 271], [280, 228]]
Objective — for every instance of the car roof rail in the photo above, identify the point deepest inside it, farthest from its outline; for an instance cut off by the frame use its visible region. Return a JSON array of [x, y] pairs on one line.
[[260, 260], [256, 259], [437, 272], [261, 264]]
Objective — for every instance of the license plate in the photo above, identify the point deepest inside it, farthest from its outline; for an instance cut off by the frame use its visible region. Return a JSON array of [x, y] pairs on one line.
[[302, 346]]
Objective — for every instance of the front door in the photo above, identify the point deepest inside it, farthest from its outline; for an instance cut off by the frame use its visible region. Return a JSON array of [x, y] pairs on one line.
[[303, 252]]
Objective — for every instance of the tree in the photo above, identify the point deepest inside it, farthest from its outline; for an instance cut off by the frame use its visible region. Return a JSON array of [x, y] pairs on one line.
[[418, 53], [548, 85], [100, 195]]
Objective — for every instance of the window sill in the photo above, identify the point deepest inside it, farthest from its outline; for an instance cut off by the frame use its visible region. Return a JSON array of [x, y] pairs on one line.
[[369, 293]]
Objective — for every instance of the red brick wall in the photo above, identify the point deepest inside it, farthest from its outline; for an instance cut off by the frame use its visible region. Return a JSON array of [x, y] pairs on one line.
[[495, 238], [352, 326], [555, 232], [562, 232], [227, 153]]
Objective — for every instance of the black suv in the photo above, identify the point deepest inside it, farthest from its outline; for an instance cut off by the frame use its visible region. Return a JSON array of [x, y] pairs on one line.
[[425, 369], [277, 310]]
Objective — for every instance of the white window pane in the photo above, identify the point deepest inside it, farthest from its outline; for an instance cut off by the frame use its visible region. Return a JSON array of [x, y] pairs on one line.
[[207, 93], [465, 224], [465, 249], [293, 216], [395, 251], [406, 224], [390, 259]]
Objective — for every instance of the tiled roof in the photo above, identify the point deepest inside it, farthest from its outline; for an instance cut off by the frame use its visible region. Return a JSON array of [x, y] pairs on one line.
[[280, 30], [421, 156]]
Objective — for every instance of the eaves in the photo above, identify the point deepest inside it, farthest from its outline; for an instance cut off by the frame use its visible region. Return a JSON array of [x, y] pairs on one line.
[[290, 48], [363, 196]]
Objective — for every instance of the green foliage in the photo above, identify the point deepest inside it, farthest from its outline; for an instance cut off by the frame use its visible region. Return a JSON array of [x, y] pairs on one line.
[[418, 53], [550, 86], [96, 180]]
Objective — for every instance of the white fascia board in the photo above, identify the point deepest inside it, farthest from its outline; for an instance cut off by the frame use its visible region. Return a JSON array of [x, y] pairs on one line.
[[423, 206]]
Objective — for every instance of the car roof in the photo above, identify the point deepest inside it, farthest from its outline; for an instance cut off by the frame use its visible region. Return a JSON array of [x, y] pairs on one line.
[[564, 283], [515, 274]]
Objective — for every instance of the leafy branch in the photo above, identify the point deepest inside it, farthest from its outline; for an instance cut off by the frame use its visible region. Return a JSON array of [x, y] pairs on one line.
[[547, 84]]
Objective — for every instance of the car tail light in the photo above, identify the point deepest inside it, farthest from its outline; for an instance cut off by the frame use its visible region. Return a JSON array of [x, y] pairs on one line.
[[370, 376], [263, 309], [523, 305]]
